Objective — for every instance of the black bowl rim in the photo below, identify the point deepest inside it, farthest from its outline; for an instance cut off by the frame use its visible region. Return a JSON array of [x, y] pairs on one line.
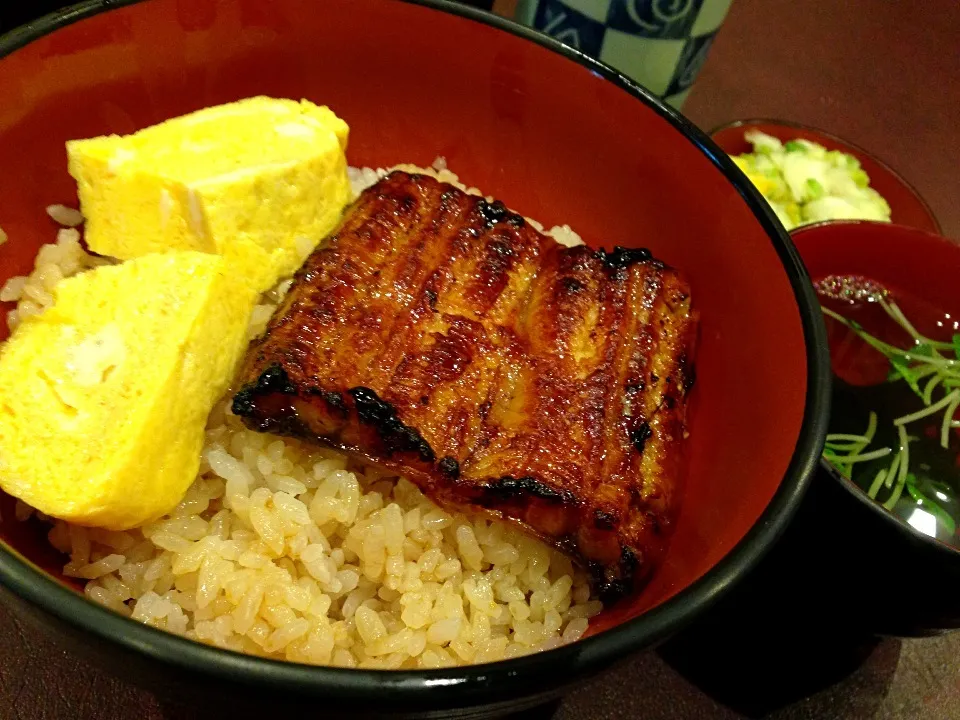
[[894, 522], [745, 122], [530, 675]]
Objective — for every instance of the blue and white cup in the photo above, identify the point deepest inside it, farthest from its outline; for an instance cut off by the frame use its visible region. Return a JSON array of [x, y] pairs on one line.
[[661, 44]]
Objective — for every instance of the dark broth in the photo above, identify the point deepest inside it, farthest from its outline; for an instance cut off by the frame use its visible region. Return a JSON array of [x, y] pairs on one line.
[[931, 503]]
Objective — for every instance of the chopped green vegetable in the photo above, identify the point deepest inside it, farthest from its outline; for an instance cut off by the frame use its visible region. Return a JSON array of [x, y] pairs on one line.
[[804, 182]]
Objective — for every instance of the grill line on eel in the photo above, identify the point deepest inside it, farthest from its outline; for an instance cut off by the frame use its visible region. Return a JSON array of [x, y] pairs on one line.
[[443, 338]]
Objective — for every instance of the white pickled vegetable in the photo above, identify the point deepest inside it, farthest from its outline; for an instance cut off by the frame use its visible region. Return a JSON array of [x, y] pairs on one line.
[[804, 182]]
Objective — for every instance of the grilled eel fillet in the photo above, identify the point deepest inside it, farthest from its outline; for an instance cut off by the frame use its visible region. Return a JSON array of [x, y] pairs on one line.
[[443, 338]]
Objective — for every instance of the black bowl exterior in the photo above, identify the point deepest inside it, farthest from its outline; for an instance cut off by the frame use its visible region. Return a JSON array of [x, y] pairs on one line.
[[173, 665], [845, 570], [887, 577], [206, 694]]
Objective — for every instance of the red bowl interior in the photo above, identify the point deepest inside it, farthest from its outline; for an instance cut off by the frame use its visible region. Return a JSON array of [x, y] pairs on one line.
[[550, 138], [906, 205], [928, 270]]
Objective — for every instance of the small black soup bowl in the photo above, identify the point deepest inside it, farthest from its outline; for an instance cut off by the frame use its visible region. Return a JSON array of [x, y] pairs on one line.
[[846, 571], [889, 574]]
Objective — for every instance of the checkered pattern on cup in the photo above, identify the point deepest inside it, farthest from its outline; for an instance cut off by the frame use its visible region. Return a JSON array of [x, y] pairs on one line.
[[659, 43]]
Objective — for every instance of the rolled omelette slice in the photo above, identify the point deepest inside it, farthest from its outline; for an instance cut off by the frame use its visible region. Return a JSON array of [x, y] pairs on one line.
[[104, 397], [260, 181]]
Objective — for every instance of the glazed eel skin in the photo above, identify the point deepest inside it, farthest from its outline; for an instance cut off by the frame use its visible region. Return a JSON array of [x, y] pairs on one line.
[[441, 337]]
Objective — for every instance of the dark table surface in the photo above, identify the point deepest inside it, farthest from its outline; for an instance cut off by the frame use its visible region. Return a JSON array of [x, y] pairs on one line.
[[882, 73]]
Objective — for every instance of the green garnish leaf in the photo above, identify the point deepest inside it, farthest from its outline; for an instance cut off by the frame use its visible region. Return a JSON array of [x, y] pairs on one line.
[[901, 367], [793, 146], [924, 362], [815, 188]]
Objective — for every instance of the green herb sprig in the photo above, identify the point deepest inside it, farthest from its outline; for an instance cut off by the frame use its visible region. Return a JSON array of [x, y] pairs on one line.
[[930, 368]]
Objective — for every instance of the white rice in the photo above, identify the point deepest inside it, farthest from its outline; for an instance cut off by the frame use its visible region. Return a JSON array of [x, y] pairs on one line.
[[66, 216], [292, 551]]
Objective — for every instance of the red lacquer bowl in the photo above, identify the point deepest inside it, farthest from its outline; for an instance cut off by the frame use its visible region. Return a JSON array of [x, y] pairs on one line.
[[906, 205], [553, 134]]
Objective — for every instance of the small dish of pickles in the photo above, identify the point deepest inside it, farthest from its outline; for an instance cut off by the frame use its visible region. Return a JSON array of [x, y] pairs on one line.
[[809, 176]]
